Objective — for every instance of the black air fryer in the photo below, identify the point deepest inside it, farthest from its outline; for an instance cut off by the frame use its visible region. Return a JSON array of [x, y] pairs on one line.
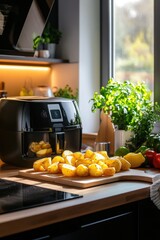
[[33, 127]]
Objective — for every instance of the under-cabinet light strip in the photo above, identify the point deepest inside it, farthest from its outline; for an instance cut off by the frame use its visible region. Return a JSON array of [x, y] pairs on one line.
[[19, 67]]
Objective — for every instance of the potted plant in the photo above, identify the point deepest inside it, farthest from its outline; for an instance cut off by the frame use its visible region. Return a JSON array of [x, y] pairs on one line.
[[130, 108], [66, 92], [50, 37]]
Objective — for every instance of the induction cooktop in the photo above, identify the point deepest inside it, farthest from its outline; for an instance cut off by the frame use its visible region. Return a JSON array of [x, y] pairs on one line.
[[16, 196]]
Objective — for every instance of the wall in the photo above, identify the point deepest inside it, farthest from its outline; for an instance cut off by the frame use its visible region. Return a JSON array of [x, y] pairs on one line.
[[89, 62], [68, 48], [63, 74], [79, 21]]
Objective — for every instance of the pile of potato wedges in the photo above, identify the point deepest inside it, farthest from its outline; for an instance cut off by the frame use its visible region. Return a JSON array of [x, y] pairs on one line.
[[72, 164]]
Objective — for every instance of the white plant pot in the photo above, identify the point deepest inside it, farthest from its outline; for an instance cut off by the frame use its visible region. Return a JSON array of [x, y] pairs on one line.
[[121, 136]]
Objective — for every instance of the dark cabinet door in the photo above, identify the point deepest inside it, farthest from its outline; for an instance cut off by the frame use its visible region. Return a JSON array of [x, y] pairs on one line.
[[149, 220], [116, 223]]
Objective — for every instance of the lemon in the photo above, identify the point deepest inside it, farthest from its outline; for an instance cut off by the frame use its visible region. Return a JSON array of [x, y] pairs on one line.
[[135, 159], [121, 151]]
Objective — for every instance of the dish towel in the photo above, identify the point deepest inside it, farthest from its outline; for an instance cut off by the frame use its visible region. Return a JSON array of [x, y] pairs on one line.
[[155, 193]]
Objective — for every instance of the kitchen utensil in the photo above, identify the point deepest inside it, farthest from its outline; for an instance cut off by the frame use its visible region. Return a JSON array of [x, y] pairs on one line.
[[102, 146], [85, 182]]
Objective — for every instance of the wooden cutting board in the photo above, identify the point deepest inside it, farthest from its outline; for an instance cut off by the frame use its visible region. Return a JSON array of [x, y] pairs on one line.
[[85, 182]]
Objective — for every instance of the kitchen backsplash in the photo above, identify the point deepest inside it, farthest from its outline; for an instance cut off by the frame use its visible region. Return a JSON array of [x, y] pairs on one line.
[[15, 77]]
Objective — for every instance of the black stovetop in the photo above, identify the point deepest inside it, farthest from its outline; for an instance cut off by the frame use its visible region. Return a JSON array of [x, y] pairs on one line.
[[16, 196]]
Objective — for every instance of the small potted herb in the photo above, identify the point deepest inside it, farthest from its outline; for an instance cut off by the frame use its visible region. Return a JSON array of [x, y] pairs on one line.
[[50, 37], [130, 108]]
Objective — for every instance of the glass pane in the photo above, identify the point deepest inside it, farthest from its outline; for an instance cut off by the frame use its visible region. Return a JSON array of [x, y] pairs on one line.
[[134, 40]]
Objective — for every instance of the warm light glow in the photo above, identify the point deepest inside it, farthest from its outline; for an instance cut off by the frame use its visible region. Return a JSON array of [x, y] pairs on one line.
[[20, 67]]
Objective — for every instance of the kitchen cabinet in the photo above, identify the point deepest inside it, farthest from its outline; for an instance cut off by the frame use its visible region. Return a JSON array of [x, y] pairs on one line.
[[59, 15], [149, 216], [134, 221], [120, 209], [116, 222]]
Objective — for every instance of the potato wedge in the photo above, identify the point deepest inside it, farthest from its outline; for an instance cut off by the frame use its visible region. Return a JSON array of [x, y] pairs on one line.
[[34, 147], [95, 170], [78, 155], [66, 153], [82, 170], [49, 151], [86, 162], [97, 156], [125, 164], [110, 171], [41, 142], [68, 170], [116, 163], [104, 153], [70, 160], [58, 159], [102, 164], [88, 153], [46, 145], [42, 164], [60, 164], [54, 168], [44, 152]]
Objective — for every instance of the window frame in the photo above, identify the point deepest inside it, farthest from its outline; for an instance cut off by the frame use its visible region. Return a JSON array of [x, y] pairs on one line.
[[107, 44], [156, 51]]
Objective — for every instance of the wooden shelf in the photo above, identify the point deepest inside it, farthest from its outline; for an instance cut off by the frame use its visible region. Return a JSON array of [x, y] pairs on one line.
[[29, 60]]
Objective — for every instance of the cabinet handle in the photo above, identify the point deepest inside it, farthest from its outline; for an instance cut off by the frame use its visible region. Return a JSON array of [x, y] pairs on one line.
[[47, 237], [105, 220]]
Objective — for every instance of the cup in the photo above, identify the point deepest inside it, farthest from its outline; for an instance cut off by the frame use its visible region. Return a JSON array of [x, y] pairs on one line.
[[3, 94], [102, 146]]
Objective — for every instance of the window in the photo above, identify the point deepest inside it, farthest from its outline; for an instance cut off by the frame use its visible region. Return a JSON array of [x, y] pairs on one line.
[[130, 42], [134, 39]]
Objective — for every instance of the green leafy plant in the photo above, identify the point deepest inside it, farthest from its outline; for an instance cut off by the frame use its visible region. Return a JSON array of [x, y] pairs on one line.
[[38, 42], [50, 35], [66, 92], [130, 107], [143, 126]]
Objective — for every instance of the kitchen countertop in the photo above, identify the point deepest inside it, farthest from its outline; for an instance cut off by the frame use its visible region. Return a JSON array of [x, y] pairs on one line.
[[94, 199]]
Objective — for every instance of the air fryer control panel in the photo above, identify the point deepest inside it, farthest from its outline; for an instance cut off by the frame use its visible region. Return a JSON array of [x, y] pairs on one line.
[[55, 113]]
